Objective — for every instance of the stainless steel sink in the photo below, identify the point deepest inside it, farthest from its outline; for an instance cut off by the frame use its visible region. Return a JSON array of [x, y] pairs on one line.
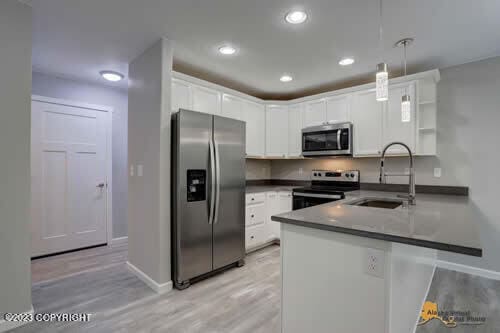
[[377, 203]]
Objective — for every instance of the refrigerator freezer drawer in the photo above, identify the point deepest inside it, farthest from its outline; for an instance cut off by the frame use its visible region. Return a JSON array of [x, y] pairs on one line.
[[255, 214]]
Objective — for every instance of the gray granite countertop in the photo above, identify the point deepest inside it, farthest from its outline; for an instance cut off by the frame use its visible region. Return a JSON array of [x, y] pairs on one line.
[[267, 188], [442, 222]]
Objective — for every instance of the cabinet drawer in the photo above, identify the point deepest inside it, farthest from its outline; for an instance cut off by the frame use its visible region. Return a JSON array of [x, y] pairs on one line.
[[255, 214], [255, 236], [254, 198]]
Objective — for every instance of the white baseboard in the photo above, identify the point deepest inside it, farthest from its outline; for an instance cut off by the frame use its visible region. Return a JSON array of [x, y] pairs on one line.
[[159, 288], [10, 325], [468, 269], [119, 240]]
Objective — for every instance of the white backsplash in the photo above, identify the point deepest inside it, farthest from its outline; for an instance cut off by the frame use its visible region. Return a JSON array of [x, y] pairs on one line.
[[258, 169]]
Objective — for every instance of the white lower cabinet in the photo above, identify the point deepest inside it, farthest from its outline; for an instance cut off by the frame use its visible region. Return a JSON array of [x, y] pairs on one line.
[[259, 209], [273, 208]]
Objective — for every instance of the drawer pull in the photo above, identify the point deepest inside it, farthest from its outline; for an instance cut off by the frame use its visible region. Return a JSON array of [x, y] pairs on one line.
[[253, 216], [253, 199], [251, 237]]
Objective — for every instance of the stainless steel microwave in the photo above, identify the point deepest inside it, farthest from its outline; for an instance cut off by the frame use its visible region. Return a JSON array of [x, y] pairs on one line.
[[330, 139]]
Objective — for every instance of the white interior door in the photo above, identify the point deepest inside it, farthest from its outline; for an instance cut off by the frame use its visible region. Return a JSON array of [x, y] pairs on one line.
[[69, 186]]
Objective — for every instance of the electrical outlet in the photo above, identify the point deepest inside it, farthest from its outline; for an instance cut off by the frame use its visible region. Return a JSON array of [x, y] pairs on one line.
[[140, 170], [132, 171], [374, 263], [301, 171], [437, 172]]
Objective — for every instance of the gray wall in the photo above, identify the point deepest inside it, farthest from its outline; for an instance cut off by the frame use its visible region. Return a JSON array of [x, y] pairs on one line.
[[56, 87], [149, 146], [468, 138], [15, 106]]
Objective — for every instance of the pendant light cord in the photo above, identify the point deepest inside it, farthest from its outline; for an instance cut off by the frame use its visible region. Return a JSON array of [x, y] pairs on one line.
[[404, 54], [381, 30]]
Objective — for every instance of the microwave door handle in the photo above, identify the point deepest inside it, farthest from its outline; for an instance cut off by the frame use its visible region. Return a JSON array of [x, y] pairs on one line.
[[212, 181], [339, 146]]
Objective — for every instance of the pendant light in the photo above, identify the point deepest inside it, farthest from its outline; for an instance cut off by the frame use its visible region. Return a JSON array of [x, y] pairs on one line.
[[382, 76], [405, 99]]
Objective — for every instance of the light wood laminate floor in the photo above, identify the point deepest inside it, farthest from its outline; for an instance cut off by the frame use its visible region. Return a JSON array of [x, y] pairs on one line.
[[245, 299]]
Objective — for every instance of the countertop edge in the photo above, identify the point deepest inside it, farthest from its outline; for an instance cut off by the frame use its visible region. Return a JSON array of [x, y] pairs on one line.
[[475, 252]]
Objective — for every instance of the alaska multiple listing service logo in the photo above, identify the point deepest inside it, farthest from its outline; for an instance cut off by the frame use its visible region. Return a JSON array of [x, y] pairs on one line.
[[449, 318]]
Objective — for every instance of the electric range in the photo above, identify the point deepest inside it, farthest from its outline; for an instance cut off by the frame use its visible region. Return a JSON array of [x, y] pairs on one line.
[[326, 186]]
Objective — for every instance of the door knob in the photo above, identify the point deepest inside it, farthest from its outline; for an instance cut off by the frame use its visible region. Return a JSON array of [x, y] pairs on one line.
[[100, 185]]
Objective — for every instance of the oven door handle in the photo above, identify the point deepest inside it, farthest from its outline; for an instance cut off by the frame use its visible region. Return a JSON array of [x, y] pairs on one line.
[[314, 195]]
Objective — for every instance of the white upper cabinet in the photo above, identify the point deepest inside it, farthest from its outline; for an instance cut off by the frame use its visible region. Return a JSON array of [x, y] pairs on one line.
[[255, 117], [206, 100], [366, 115], [295, 130], [337, 109], [181, 95], [314, 113], [232, 107], [276, 131], [394, 128]]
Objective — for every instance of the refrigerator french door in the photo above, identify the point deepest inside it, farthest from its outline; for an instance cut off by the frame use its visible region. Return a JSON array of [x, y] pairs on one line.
[[208, 194]]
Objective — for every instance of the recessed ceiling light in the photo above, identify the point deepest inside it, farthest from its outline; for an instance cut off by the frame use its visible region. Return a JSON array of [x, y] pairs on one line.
[[286, 78], [346, 61], [296, 17], [112, 76], [227, 50]]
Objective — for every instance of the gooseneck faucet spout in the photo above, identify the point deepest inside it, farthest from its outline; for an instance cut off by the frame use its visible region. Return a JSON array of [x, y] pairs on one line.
[[411, 176]]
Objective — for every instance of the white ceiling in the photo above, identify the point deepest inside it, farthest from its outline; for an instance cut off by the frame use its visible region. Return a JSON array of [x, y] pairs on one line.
[[76, 38]]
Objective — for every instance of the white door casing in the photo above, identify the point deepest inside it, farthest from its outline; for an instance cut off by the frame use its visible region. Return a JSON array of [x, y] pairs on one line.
[[70, 169]]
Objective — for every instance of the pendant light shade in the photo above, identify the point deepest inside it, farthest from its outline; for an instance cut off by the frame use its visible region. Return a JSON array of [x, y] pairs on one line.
[[382, 82], [405, 99], [405, 109]]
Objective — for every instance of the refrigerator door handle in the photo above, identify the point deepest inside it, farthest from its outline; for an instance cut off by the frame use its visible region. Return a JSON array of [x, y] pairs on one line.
[[213, 181], [217, 182]]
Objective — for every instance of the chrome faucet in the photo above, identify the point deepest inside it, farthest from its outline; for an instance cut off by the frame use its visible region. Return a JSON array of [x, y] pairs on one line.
[[383, 174]]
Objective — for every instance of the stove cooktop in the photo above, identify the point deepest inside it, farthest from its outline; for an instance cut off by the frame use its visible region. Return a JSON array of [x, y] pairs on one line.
[[332, 182]]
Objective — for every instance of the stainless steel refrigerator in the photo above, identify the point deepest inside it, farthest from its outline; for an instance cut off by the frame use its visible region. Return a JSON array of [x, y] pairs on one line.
[[208, 229]]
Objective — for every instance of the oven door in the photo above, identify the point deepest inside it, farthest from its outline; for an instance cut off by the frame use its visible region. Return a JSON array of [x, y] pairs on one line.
[[304, 200], [327, 140]]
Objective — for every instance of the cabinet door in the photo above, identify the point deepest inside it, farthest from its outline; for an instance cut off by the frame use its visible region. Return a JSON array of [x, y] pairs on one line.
[[366, 115], [181, 95], [276, 131], [337, 109], [255, 117], [273, 208], [232, 107], [295, 130], [315, 113], [394, 128], [205, 100], [284, 206]]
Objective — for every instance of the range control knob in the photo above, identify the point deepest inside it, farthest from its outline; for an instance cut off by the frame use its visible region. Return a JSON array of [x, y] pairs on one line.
[[347, 175], [315, 174], [352, 175]]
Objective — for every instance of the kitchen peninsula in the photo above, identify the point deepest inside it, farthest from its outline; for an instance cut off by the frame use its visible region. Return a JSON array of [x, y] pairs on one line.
[[348, 266]]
